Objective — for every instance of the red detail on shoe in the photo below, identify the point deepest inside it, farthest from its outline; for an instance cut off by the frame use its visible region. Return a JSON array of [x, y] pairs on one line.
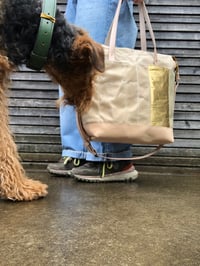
[[127, 167]]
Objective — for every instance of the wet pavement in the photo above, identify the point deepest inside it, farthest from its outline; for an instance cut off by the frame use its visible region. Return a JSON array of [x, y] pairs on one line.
[[154, 221]]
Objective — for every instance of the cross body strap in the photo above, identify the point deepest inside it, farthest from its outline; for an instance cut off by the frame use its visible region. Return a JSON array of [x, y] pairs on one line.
[[88, 145]]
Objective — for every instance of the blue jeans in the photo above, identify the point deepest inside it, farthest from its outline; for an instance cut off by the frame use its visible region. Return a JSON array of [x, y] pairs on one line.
[[95, 16]]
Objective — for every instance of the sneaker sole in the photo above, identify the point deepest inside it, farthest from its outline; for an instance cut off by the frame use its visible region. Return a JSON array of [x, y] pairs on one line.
[[119, 177], [60, 172]]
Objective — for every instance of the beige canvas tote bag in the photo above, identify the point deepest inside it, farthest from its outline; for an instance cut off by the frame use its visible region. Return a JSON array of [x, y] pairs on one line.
[[133, 101]]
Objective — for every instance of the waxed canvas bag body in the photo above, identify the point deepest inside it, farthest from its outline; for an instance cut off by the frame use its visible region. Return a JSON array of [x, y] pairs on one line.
[[133, 101]]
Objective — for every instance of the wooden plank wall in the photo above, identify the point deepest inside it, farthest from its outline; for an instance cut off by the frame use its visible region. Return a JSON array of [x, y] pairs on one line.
[[35, 120]]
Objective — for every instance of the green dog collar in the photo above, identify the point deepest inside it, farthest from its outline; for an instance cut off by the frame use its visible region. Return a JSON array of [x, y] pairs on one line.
[[39, 54]]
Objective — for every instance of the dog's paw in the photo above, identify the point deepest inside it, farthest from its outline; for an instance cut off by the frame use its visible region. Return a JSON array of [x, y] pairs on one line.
[[27, 190]]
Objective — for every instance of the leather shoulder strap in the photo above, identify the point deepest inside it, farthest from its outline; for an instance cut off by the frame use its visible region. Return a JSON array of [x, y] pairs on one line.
[[88, 145]]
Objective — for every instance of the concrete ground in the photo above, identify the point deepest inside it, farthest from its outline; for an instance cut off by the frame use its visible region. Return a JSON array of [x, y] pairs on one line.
[[154, 221]]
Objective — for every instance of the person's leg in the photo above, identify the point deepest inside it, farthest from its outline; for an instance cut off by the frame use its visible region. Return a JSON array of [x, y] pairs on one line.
[[74, 152], [118, 170], [96, 19]]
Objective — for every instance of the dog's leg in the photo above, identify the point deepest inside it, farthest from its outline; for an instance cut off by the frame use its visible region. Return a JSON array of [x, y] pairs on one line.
[[14, 184]]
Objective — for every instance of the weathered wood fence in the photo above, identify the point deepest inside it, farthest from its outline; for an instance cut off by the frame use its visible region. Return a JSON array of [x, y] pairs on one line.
[[34, 118]]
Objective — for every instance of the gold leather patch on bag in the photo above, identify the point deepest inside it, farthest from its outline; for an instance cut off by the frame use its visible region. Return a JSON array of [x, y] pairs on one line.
[[162, 96]]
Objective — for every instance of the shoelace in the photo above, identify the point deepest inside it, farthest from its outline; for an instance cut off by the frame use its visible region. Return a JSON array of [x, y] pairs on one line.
[[104, 166], [67, 159], [76, 162]]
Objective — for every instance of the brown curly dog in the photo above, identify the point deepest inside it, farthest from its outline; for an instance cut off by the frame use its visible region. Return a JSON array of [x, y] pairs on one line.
[[73, 61]]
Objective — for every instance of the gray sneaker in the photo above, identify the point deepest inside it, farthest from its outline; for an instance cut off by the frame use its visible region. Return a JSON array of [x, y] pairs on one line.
[[105, 172], [64, 166]]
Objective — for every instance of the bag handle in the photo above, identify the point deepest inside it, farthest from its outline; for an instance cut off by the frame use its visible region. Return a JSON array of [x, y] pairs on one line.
[[143, 18], [88, 145]]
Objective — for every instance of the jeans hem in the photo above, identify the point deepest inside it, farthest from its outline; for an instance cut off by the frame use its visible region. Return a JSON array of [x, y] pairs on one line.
[[90, 157]]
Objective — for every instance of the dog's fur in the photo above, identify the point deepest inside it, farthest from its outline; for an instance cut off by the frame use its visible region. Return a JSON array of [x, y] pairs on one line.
[[14, 184], [73, 61]]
